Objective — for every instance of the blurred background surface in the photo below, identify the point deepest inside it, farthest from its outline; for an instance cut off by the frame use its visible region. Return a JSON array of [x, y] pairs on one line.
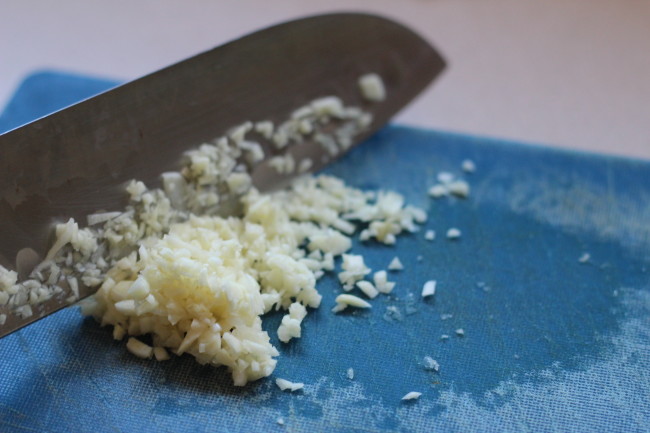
[[570, 73]]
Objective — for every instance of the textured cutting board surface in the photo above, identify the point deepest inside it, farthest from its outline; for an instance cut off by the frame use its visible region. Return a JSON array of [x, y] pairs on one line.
[[551, 344]]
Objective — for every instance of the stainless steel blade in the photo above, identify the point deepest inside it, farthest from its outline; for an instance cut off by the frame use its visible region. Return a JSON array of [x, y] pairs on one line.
[[76, 161]]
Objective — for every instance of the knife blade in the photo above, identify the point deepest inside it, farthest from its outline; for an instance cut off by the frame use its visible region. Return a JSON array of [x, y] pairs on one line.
[[76, 161]]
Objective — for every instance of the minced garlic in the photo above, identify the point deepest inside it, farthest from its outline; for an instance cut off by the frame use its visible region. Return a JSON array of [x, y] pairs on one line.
[[170, 270], [285, 385], [431, 364], [413, 395], [138, 348], [395, 264], [343, 301], [429, 288], [354, 269], [453, 233], [368, 289], [468, 166], [372, 87]]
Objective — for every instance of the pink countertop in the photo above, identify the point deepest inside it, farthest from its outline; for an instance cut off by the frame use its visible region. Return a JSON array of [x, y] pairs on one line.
[[570, 73]]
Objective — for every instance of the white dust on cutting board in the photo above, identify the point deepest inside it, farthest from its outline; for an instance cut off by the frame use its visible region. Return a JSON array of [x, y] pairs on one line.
[[572, 202], [615, 383]]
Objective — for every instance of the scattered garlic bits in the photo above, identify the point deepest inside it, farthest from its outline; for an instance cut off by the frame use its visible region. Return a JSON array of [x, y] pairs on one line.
[[429, 289], [354, 269], [395, 264], [459, 188], [448, 184], [388, 217], [468, 166], [138, 348], [413, 395], [286, 385], [290, 326], [381, 282], [438, 190], [431, 364], [283, 164], [453, 233], [372, 87], [344, 123], [344, 301], [368, 289]]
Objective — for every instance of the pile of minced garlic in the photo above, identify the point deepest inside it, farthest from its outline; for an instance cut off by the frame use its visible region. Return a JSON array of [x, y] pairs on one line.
[[169, 270], [202, 287]]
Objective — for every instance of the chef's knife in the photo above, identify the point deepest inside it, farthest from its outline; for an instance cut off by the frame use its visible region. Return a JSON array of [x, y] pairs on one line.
[[75, 162]]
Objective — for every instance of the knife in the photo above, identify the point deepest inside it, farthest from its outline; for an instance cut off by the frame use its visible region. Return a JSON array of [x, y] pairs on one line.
[[76, 161]]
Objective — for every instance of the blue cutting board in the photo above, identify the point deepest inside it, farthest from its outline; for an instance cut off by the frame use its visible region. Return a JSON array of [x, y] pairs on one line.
[[551, 344]]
